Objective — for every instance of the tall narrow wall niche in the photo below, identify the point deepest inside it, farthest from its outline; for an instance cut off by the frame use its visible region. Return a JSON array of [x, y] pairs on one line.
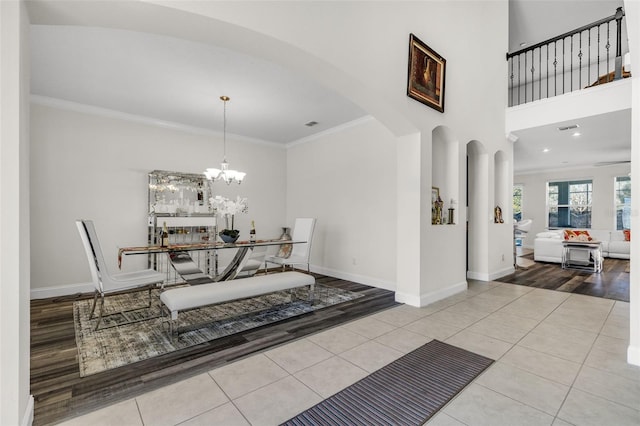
[[445, 180], [501, 191]]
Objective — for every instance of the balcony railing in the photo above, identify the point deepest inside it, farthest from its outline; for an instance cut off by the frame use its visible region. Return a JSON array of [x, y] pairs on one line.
[[578, 59]]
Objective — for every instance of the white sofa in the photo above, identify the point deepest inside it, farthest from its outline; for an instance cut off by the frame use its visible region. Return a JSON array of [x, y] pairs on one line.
[[547, 246]]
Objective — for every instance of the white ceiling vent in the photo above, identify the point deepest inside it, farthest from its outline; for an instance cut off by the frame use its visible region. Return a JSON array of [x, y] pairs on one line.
[[563, 128]]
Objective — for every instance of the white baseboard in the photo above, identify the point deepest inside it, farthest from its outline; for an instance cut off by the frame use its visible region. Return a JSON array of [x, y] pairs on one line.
[[501, 273], [64, 290], [27, 418], [633, 355], [480, 276], [485, 276], [408, 299], [429, 298], [360, 279]]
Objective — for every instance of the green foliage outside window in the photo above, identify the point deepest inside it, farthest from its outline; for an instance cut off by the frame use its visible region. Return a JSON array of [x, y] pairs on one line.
[[517, 202]]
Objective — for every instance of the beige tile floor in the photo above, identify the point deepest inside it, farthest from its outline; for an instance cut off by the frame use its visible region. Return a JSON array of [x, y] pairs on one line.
[[560, 360]]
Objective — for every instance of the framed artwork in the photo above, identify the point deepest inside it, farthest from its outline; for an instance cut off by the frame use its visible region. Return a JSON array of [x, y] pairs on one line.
[[426, 74]]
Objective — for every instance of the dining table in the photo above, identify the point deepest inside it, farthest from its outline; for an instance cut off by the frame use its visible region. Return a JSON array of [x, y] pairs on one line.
[[181, 260]]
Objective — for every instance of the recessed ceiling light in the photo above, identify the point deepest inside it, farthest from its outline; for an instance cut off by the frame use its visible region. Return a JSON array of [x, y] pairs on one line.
[[576, 134], [523, 44], [546, 150]]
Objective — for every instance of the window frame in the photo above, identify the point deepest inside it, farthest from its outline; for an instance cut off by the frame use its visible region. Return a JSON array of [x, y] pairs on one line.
[[624, 206], [565, 192], [521, 186]]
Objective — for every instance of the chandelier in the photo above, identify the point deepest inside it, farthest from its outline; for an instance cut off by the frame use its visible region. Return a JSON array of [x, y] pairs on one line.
[[223, 173]]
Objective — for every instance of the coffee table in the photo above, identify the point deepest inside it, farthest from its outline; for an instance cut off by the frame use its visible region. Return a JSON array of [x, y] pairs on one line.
[[583, 255]]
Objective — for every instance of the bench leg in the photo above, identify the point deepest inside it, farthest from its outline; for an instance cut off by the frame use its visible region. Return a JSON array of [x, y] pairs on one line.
[[312, 293], [173, 323]]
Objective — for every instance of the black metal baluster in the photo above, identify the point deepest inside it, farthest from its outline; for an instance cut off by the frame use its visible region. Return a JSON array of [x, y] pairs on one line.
[[589, 62], [511, 78], [519, 85], [540, 73], [571, 65], [533, 89], [555, 68], [580, 63], [563, 60], [547, 70], [598, 68], [525, 77], [607, 46]]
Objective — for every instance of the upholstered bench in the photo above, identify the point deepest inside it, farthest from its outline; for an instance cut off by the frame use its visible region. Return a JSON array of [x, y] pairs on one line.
[[185, 298]]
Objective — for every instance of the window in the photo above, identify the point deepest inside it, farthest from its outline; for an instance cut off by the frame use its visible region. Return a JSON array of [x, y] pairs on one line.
[[517, 202], [569, 204], [623, 202]]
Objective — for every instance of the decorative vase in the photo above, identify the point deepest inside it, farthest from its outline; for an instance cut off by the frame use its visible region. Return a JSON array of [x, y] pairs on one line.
[[285, 249], [229, 235]]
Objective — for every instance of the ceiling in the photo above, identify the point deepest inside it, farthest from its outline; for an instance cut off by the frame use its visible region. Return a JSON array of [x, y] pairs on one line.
[[173, 80], [179, 81], [604, 139]]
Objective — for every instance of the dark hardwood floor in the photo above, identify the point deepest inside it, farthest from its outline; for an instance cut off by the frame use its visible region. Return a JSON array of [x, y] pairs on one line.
[[60, 393], [611, 283]]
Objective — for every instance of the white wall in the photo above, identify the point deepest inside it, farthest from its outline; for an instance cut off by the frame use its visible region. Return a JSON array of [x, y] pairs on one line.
[[347, 180], [614, 96], [377, 70], [16, 405], [92, 166], [534, 195]]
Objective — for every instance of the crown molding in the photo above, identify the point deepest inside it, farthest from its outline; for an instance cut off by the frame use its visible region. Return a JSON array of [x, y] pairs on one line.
[[119, 115]]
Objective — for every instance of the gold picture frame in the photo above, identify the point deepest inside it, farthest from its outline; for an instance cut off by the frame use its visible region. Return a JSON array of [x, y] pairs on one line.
[[426, 74]]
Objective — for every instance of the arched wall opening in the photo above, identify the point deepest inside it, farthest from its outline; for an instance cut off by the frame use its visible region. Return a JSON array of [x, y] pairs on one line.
[[189, 21], [445, 172], [478, 210], [501, 193]]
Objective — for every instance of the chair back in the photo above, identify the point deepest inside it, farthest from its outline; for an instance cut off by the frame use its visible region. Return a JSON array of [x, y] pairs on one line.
[[524, 225], [97, 265], [303, 231]]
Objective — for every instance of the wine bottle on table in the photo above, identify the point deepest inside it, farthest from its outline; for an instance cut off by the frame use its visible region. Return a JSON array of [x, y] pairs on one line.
[[252, 232], [165, 236]]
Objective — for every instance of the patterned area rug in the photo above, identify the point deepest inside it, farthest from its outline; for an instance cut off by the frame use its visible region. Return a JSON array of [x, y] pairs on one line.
[[139, 333], [406, 392]]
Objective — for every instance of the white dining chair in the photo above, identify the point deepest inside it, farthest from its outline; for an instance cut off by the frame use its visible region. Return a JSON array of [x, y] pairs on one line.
[[104, 282], [302, 231]]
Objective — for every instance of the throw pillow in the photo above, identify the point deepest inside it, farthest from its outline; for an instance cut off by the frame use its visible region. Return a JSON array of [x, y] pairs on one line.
[[627, 234], [571, 234]]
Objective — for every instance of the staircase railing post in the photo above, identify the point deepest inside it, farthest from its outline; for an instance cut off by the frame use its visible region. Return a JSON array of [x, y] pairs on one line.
[[618, 64]]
